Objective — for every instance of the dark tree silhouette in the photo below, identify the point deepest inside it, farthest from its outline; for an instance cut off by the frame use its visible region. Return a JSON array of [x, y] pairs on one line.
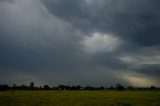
[[101, 88], [4, 87], [111, 88], [62, 87], [152, 87], [32, 85], [89, 88], [130, 87], [14, 87], [78, 87], [46, 87], [120, 87]]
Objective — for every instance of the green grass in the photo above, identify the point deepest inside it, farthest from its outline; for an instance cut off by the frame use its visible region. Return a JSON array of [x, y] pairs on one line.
[[80, 98]]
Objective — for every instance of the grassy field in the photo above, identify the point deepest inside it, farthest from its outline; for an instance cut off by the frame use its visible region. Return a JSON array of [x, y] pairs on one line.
[[80, 98]]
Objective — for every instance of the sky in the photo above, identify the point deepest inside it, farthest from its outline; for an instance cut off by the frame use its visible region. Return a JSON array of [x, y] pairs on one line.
[[80, 42]]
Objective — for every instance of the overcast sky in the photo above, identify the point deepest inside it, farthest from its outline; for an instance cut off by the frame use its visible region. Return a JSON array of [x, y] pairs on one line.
[[80, 42]]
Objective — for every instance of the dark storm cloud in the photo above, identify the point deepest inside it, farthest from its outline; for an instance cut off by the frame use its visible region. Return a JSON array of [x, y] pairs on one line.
[[148, 69], [7, 0], [137, 21], [34, 42], [78, 41]]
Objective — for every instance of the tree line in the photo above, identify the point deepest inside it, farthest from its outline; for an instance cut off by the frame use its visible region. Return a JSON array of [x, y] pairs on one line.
[[120, 87]]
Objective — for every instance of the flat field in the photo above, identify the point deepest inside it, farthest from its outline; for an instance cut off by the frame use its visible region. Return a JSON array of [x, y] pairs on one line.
[[80, 98]]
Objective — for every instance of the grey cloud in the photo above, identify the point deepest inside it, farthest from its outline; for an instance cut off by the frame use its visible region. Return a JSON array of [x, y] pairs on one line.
[[42, 40], [148, 69], [11, 1], [135, 20]]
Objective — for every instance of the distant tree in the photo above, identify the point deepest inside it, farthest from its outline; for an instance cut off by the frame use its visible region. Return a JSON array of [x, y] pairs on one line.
[[78, 87], [89, 88], [120, 87], [40, 87], [130, 87], [4, 87], [73, 88], [23, 87], [46, 87], [14, 87], [67, 87], [32, 85], [61, 87], [54, 88], [152, 87], [111, 88], [101, 88]]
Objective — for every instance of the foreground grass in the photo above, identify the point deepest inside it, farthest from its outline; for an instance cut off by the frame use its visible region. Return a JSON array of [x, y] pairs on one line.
[[80, 98]]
